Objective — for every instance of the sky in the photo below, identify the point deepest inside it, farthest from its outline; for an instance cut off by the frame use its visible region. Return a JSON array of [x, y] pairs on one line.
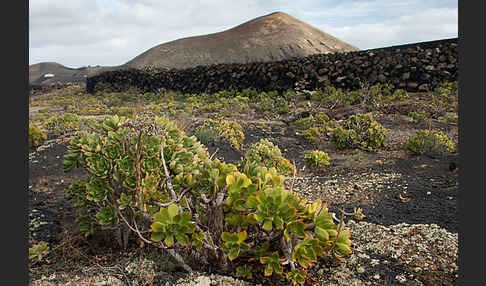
[[79, 33]]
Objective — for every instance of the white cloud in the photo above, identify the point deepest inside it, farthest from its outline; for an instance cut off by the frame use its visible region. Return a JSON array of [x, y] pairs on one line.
[[112, 32], [425, 25]]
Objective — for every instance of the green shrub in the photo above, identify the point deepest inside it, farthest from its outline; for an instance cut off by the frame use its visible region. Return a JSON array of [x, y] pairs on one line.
[[207, 135], [417, 115], [430, 142], [38, 251], [229, 131], [319, 120], [35, 134], [398, 94], [448, 92], [89, 123], [123, 111], [234, 105], [62, 123], [312, 134], [454, 119], [359, 130], [149, 178], [265, 102], [305, 122], [329, 96], [282, 106], [317, 159], [265, 153], [92, 109]]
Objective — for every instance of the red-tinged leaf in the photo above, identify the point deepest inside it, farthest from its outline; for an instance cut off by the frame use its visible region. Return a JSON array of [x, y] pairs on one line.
[[268, 270], [267, 225]]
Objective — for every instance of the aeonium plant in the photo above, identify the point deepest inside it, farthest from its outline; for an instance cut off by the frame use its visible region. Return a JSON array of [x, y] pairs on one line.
[[148, 178]]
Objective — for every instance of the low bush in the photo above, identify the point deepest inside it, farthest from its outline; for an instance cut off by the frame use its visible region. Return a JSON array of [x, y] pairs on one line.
[[312, 134], [149, 178], [430, 142], [454, 119], [329, 97], [417, 115], [360, 130], [63, 123], [282, 106], [35, 134], [319, 120], [265, 153], [38, 251], [229, 131], [207, 135], [265, 102], [317, 159]]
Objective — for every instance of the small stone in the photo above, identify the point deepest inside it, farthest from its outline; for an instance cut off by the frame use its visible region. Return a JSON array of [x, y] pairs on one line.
[[401, 278], [376, 276], [360, 269], [429, 193], [204, 281]]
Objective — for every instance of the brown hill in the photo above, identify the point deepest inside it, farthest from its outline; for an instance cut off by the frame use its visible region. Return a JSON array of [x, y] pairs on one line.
[[273, 37], [50, 72]]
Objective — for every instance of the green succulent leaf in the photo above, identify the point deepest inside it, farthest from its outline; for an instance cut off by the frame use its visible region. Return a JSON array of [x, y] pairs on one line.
[[272, 264], [297, 276], [197, 240], [296, 227], [267, 225], [157, 236], [244, 271], [233, 252], [278, 222], [157, 227], [169, 240], [321, 233]]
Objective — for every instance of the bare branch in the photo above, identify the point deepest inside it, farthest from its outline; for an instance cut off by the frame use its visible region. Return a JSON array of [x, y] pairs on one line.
[[286, 248], [340, 228], [169, 183], [219, 199], [293, 178], [205, 199], [174, 201], [211, 157], [139, 170], [172, 252]]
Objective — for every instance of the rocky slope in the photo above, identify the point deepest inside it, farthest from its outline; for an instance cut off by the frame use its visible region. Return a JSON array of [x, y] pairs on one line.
[[272, 37]]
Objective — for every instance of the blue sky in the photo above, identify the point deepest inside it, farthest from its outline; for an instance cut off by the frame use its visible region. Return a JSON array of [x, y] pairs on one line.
[[112, 32]]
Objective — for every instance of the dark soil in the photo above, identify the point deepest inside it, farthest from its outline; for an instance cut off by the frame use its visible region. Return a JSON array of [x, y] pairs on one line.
[[438, 207]]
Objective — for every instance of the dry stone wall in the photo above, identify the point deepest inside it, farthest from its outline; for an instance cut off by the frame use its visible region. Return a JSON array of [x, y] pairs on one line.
[[413, 67]]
